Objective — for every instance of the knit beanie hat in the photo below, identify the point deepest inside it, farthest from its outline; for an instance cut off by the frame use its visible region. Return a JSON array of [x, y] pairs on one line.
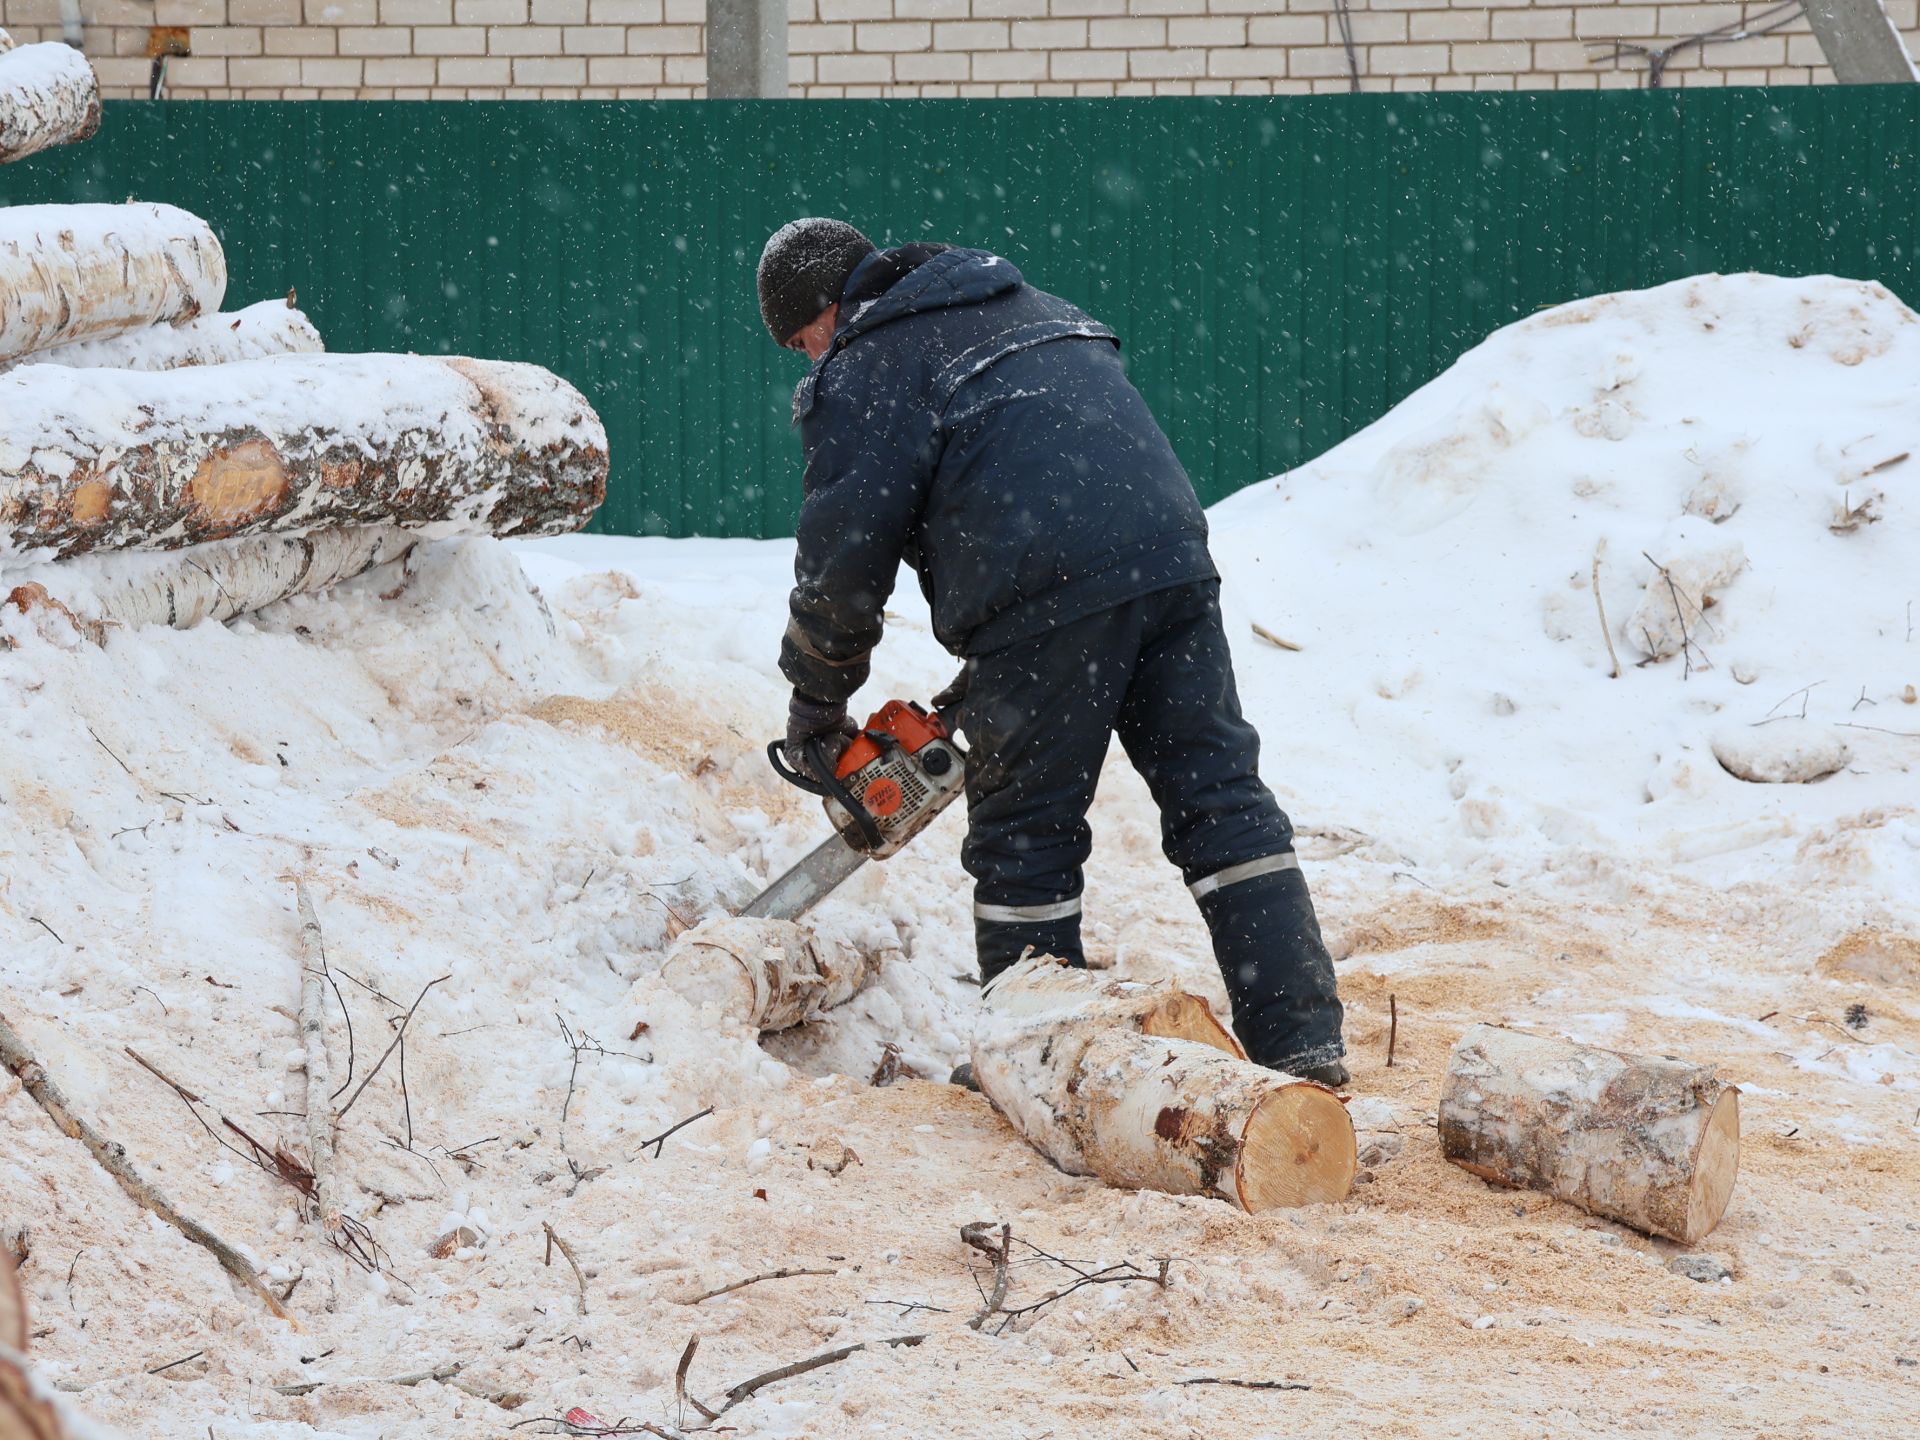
[[803, 270]]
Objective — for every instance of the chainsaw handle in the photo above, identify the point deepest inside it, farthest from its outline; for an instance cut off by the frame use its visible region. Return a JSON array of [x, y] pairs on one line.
[[776, 757], [827, 786]]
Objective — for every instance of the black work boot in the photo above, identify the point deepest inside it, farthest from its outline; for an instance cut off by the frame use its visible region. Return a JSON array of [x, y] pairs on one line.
[[1286, 1010], [1000, 945]]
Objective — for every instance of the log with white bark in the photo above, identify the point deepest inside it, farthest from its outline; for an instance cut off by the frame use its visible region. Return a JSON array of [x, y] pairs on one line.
[[273, 327], [1141, 1086], [27, 1411], [1651, 1142], [770, 974], [110, 459], [48, 96], [79, 272], [217, 581]]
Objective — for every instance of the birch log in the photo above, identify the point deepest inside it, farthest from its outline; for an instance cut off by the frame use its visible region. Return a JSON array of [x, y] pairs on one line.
[[1141, 1086], [273, 327], [109, 460], [79, 272], [770, 974], [1653, 1143], [48, 97], [218, 581]]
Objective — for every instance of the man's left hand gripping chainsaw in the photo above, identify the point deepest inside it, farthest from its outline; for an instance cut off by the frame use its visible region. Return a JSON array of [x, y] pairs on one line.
[[899, 773]]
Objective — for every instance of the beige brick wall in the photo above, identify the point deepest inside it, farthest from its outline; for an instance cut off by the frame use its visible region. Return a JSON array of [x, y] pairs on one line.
[[654, 49]]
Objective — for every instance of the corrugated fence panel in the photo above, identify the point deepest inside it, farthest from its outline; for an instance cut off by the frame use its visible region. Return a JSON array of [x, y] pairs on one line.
[[1283, 270]]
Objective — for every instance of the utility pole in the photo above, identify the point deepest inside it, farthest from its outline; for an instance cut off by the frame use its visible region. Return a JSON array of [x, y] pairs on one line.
[[746, 49], [1860, 42]]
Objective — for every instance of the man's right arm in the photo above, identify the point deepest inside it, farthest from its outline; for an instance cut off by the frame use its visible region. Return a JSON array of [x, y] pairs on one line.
[[870, 455]]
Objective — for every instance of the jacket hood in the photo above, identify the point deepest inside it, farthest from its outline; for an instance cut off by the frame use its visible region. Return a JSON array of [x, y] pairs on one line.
[[953, 277]]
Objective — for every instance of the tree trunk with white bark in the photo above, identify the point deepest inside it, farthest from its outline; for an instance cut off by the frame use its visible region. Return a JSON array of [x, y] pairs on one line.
[[273, 327], [1653, 1143], [80, 272], [48, 96], [770, 974], [1141, 1086], [219, 581], [96, 460]]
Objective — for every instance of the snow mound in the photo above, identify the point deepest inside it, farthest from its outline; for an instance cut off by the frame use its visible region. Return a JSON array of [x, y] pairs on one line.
[[1730, 454], [1792, 752]]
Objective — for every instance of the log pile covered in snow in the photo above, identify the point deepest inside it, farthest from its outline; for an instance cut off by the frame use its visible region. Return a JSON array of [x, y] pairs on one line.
[[136, 416], [48, 96]]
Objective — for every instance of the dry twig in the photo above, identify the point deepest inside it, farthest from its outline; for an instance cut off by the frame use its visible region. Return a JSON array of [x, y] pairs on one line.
[[755, 1280], [978, 1235], [400, 1035], [111, 1157], [554, 1239], [1273, 639], [800, 1367], [1606, 632], [659, 1142]]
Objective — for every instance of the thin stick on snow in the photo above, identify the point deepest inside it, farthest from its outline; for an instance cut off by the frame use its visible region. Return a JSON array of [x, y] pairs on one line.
[[680, 1382], [1273, 639], [1393, 1026], [659, 1142], [580, 1278], [1606, 632], [399, 1035], [978, 1235], [800, 1367], [1247, 1384], [755, 1280], [313, 1037], [111, 1157]]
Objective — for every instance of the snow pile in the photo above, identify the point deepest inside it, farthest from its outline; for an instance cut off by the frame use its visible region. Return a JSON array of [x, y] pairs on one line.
[[1734, 452], [528, 768]]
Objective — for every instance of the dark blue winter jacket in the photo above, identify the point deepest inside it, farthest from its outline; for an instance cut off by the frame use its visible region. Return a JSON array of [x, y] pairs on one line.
[[986, 432]]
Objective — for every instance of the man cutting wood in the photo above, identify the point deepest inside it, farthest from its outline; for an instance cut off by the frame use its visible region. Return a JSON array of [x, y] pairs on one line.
[[985, 432]]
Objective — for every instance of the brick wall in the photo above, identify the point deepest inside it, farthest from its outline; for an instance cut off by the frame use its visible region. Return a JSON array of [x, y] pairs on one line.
[[654, 49]]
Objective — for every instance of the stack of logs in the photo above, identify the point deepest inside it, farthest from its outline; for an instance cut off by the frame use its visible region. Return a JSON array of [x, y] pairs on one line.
[[135, 416]]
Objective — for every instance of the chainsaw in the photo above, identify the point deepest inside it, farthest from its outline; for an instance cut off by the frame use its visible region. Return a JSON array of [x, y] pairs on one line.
[[899, 773]]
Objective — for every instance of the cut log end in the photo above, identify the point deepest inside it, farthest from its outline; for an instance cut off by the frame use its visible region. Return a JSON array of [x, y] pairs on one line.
[[1715, 1167], [1298, 1149], [1179, 1016]]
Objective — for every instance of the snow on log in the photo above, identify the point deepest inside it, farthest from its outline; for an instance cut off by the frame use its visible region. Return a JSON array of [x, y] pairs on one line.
[[770, 974], [1141, 1086], [273, 327], [48, 96], [115, 460], [1653, 1143], [79, 272]]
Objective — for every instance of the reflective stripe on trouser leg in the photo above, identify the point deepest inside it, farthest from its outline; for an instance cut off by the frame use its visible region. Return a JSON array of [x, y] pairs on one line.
[[1026, 914], [1234, 874], [1003, 933]]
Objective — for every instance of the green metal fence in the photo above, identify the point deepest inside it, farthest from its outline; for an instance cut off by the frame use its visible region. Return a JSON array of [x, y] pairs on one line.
[[1282, 270]]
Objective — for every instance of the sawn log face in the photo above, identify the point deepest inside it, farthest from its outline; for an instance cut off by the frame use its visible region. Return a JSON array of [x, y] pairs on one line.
[[108, 460]]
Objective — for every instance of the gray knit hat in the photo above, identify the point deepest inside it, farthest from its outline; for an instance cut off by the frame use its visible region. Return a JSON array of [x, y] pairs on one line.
[[803, 270]]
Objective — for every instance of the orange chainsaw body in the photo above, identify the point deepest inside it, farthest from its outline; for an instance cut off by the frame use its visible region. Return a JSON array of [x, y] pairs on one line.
[[903, 769]]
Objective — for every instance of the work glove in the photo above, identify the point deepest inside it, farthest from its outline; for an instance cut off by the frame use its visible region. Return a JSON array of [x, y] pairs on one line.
[[822, 720], [947, 703]]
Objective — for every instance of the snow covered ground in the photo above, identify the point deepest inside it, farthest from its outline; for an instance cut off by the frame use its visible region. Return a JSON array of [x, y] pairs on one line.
[[534, 765]]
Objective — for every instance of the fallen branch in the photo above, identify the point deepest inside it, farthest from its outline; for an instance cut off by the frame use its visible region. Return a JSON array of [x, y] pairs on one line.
[[1247, 1384], [313, 1037], [685, 1395], [977, 1235], [1393, 1026], [580, 1278], [755, 1280], [419, 1377], [112, 1158], [399, 1035], [659, 1142], [800, 1367]]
